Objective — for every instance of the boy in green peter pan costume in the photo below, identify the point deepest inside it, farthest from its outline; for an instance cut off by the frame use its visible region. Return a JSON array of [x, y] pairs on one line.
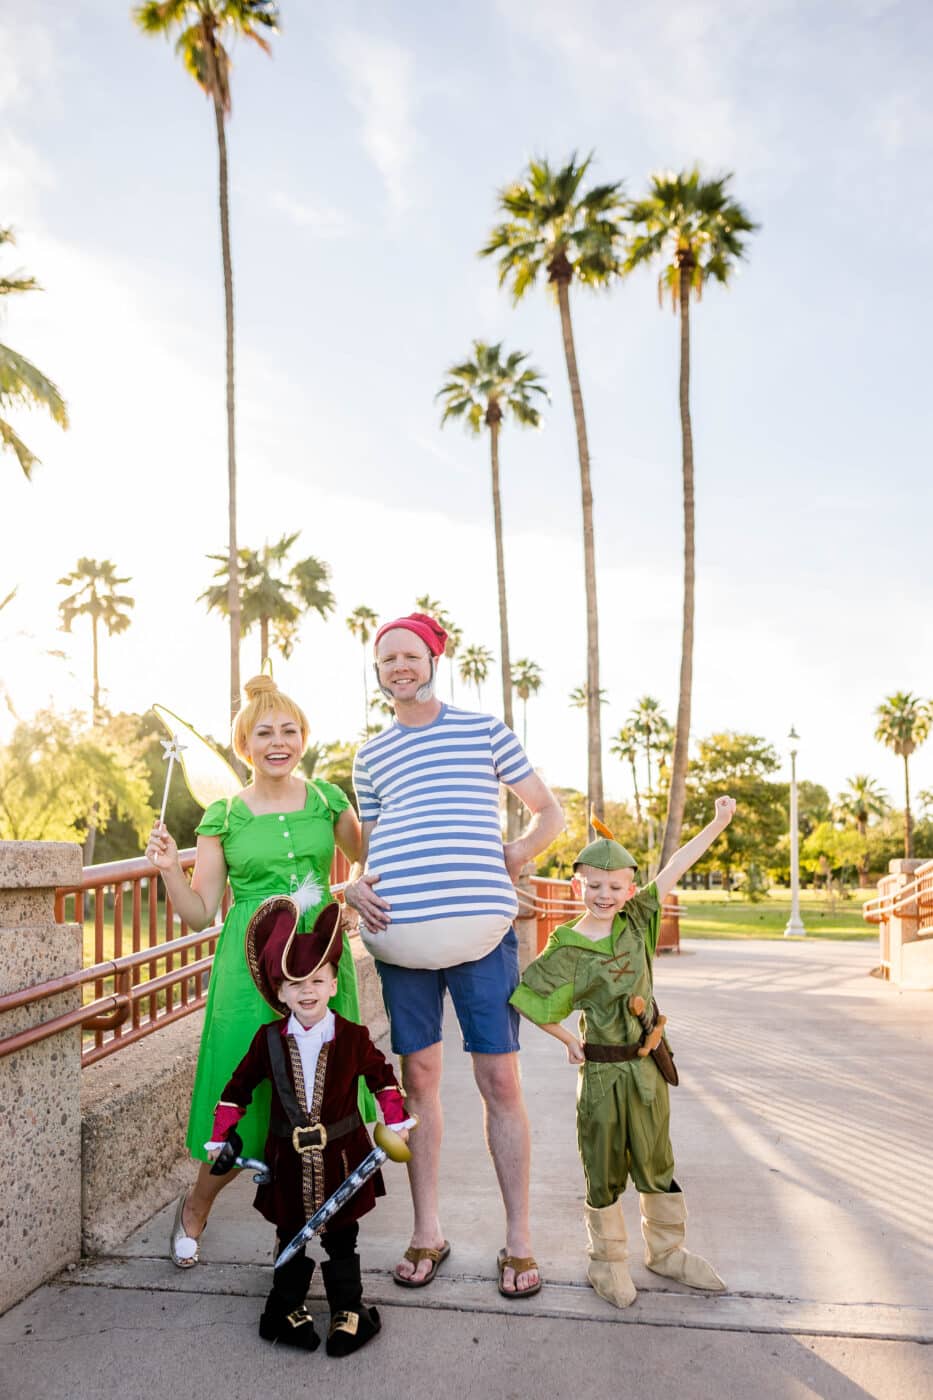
[[600, 965]]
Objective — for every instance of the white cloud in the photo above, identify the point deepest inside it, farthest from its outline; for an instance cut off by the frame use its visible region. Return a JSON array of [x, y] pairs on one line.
[[322, 220], [380, 76]]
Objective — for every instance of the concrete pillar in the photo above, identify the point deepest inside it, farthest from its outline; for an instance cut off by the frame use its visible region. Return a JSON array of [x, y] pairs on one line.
[[901, 927], [40, 1086]]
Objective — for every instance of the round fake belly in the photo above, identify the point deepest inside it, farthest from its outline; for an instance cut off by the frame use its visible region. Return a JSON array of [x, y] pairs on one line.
[[437, 943]]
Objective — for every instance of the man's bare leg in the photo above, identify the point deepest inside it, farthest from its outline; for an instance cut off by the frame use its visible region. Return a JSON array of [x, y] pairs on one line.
[[421, 1080], [201, 1196], [509, 1141]]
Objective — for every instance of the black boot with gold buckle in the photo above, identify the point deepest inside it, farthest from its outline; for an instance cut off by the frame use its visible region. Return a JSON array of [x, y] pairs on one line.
[[352, 1322], [286, 1319]]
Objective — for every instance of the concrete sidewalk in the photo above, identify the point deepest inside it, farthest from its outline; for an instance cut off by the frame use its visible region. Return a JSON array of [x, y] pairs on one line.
[[803, 1132]]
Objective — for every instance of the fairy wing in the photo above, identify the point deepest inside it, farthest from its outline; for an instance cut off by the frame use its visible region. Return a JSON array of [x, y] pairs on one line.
[[207, 773]]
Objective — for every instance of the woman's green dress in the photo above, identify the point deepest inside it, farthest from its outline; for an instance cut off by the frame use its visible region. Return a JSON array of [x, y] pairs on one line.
[[267, 854]]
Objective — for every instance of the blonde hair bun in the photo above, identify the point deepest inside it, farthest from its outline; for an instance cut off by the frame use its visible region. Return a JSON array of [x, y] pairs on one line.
[[260, 685]]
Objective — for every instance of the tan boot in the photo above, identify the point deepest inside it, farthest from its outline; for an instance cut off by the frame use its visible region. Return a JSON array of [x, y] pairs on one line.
[[608, 1251], [664, 1226]]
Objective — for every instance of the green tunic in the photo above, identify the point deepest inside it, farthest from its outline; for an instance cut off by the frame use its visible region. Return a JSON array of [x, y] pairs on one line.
[[267, 854], [623, 1110]]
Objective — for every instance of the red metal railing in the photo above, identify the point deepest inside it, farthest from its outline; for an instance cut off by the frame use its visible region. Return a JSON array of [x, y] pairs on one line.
[[553, 902], [917, 896], [127, 996]]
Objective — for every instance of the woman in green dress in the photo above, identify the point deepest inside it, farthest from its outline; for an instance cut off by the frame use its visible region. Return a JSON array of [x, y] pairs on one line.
[[276, 836]]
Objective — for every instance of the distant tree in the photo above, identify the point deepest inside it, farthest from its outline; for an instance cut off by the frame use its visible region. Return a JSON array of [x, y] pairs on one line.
[[553, 225], [334, 763], [202, 29], [740, 765], [22, 385], [272, 597], [58, 777], [526, 678], [861, 800], [625, 747], [579, 697], [813, 805], [474, 668], [484, 391], [696, 229], [557, 860], [95, 583], [829, 847], [362, 623], [903, 724], [433, 608]]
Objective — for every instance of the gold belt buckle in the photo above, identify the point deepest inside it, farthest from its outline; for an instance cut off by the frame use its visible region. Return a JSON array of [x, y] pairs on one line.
[[304, 1148]]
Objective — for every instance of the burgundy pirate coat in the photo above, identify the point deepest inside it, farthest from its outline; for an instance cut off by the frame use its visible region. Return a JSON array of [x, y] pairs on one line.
[[302, 1182]]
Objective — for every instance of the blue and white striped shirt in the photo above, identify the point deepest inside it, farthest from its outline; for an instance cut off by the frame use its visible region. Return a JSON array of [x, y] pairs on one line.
[[433, 792]]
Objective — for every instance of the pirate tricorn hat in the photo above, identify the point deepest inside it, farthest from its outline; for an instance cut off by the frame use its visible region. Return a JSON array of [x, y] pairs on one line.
[[276, 952], [606, 853]]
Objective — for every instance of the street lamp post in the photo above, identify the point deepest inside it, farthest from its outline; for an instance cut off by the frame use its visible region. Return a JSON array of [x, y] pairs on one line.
[[795, 926]]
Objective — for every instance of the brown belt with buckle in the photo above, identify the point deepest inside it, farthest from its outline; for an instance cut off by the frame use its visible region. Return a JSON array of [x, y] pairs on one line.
[[313, 1137], [609, 1054]]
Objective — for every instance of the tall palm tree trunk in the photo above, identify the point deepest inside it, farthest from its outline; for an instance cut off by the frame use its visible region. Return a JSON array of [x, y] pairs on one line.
[[365, 689], [263, 640], [594, 768], [95, 671], [908, 824], [493, 418], [637, 797], [233, 583], [678, 793]]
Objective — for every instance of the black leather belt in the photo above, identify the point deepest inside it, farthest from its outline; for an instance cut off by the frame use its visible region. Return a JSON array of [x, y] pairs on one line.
[[314, 1137], [610, 1054]]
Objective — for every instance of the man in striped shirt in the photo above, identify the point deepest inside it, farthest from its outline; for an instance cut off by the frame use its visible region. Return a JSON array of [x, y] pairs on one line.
[[436, 903]]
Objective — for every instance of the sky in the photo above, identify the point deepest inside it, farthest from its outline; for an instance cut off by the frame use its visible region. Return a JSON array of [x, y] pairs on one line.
[[365, 157]]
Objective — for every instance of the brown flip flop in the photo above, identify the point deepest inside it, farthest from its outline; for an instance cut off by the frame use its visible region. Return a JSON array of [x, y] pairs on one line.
[[414, 1256], [521, 1266]]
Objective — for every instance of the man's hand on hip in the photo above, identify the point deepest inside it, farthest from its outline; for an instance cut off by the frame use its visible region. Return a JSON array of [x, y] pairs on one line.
[[374, 912]]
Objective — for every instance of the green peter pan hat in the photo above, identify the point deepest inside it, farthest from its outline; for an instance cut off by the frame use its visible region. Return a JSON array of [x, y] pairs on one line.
[[605, 853]]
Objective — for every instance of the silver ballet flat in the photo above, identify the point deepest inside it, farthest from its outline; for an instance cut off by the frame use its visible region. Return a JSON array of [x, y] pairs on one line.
[[183, 1249]]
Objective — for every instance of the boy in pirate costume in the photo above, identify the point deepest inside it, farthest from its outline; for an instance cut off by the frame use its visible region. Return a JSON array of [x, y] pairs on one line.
[[601, 966], [313, 1059]]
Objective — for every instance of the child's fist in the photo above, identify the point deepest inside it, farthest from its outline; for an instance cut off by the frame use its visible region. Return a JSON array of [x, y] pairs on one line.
[[575, 1053], [725, 810]]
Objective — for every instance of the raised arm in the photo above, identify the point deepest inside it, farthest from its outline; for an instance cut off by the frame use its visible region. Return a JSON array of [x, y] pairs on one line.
[[681, 861], [547, 822], [196, 904]]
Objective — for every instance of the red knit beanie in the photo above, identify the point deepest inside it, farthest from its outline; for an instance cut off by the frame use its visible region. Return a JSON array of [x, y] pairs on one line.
[[430, 631]]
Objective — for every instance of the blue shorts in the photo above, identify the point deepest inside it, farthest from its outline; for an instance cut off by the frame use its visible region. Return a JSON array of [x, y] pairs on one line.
[[480, 992]]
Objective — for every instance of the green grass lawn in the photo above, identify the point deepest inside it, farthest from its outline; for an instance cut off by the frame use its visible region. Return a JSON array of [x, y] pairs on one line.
[[712, 914]]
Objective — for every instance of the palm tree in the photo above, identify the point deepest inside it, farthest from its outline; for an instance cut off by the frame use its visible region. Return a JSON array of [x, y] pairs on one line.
[[21, 383], [433, 608], [579, 697], [202, 27], [526, 678], [904, 722], [695, 228], [474, 667], [95, 583], [862, 799], [650, 724], [553, 225], [362, 623], [625, 747], [481, 392], [274, 601]]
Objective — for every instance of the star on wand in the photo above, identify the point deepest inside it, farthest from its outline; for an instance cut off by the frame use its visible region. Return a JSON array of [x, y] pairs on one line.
[[173, 750]]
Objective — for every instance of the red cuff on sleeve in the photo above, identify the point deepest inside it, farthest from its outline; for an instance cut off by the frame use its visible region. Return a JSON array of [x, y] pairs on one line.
[[226, 1116], [392, 1105]]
